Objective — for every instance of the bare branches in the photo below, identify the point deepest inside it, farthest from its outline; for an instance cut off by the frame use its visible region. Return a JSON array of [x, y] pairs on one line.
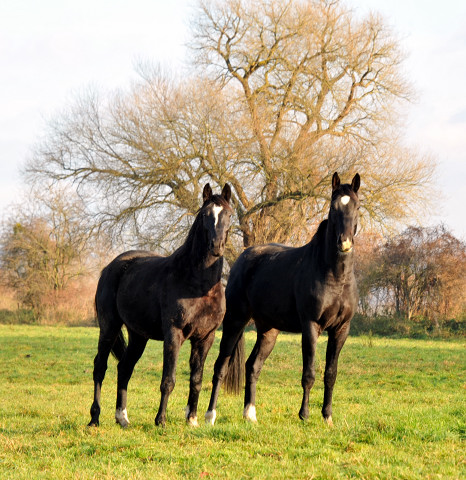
[[286, 93]]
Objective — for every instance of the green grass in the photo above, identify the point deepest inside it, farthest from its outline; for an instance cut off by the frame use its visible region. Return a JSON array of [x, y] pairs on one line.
[[399, 412]]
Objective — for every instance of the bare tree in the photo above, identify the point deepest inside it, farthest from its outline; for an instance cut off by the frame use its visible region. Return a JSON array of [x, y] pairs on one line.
[[287, 93], [418, 273], [44, 245]]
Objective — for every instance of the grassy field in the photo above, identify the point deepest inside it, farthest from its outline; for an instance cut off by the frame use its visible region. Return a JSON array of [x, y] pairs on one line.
[[399, 412]]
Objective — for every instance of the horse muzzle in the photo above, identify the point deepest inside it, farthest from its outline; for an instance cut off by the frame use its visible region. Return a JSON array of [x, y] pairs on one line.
[[217, 250], [345, 246]]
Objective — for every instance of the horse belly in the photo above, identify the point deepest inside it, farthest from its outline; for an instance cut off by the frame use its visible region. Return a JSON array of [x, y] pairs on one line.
[[275, 310], [140, 309]]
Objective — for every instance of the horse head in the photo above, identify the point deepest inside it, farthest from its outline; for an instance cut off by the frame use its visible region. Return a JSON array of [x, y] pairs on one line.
[[343, 216], [216, 218]]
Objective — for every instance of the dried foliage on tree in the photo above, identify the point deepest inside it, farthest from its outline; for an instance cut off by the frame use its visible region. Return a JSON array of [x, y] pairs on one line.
[[44, 246], [282, 94], [416, 274]]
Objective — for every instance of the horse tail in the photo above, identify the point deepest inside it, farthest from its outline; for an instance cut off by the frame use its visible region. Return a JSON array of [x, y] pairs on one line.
[[236, 370], [108, 318]]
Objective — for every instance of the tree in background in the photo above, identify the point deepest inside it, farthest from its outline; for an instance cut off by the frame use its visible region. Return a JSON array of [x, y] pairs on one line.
[[286, 93], [44, 248], [416, 274]]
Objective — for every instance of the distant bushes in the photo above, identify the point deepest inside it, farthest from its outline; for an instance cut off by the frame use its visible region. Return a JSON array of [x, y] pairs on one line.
[[397, 326]]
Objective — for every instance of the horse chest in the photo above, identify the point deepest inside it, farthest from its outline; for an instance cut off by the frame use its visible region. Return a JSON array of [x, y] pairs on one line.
[[202, 313], [335, 306]]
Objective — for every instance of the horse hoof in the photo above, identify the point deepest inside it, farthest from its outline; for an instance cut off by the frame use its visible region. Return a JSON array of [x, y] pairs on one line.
[[192, 422], [93, 423], [210, 417], [303, 416], [121, 417], [159, 422], [329, 421], [249, 413]]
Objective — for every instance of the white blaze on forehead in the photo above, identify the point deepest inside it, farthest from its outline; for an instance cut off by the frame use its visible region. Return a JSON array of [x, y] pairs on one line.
[[345, 199], [217, 211]]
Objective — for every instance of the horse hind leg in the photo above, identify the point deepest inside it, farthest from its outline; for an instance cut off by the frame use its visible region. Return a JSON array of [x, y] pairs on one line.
[[134, 351], [107, 337], [232, 344], [262, 349], [199, 351]]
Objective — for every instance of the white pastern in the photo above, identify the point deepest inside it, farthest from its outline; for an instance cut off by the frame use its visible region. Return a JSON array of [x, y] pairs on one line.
[[210, 417], [190, 421], [217, 209], [249, 413], [345, 199], [121, 417]]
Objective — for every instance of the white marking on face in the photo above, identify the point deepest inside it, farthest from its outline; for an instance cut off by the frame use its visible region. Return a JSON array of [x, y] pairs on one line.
[[249, 413], [210, 417], [346, 246], [217, 211], [345, 199]]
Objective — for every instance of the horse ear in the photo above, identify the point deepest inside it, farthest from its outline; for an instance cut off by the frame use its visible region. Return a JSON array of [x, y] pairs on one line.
[[335, 181], [226, 192], [355, 184], [207, 192]]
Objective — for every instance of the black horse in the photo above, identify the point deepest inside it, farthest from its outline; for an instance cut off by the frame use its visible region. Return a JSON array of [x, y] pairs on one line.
[[303, 290], [164, 298]]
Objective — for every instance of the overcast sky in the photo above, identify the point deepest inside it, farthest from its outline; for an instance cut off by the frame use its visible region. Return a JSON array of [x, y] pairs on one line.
[[51, 49]]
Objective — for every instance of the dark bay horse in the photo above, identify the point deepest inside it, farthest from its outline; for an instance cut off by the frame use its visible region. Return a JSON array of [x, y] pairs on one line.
[[164, 298], [304, 290]]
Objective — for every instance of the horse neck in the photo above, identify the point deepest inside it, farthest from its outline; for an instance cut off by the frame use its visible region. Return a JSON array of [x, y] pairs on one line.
[[195, 259], [341, 265]]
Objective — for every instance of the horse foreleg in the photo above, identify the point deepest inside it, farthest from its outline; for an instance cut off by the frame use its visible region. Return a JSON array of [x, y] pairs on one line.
[[262, 349], [171, 349], [309, 343], [336, 340], [199, 351], [135, 349]]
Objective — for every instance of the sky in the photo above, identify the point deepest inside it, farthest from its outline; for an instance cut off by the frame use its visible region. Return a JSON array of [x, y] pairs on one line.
[[50, 50]]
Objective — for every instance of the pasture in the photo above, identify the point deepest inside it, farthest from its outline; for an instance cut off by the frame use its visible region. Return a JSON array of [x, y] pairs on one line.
[[399, 413]]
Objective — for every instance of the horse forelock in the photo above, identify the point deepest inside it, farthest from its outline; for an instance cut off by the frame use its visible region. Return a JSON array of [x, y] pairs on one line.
[[217, 200], [344, 190]]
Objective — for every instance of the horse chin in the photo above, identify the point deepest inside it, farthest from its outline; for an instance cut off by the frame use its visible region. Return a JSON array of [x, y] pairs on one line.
[[345, 252]]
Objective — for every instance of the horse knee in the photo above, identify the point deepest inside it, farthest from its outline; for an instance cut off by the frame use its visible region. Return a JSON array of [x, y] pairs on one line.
[[330, 376], [167, 385], [308, 379]]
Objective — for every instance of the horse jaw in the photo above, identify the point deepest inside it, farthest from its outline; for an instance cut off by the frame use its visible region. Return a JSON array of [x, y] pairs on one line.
[[210, 417], [249, 413], [121, 417]]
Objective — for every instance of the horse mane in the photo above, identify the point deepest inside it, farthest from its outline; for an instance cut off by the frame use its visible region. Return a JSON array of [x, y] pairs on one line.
[[319, 236]]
